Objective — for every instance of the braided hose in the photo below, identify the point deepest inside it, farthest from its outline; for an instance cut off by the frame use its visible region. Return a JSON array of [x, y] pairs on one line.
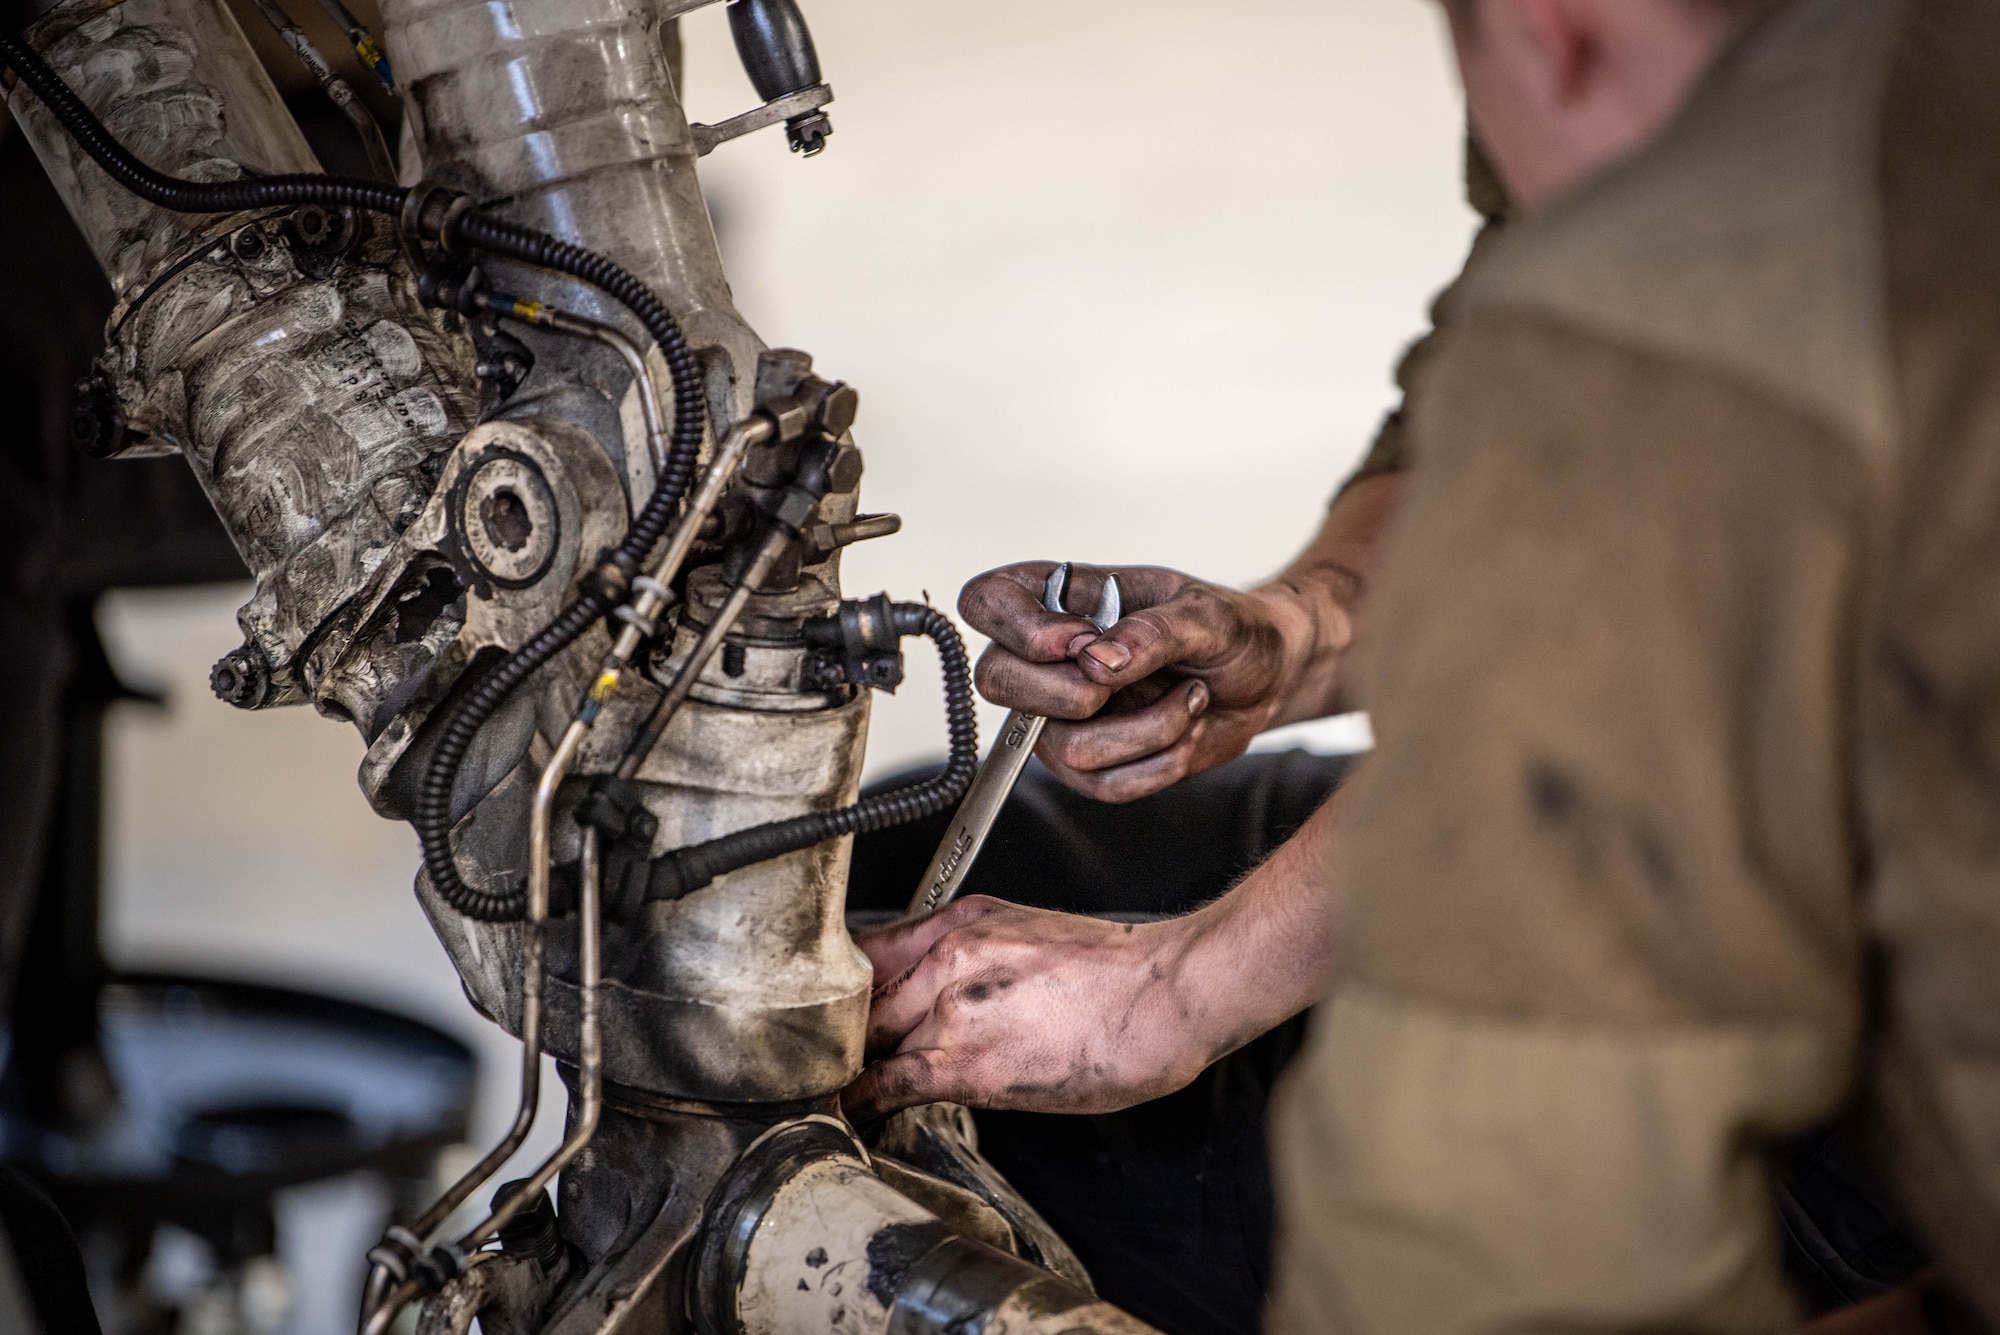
[[690, 868], [432, 810]]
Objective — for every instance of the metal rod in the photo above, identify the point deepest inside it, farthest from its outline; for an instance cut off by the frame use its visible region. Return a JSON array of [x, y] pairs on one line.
[[378, 1321], [718, 630], [379, 1280], [545, 316], [590, 1055], [741, 437], [366, 48], [540, 822], [336, 88]]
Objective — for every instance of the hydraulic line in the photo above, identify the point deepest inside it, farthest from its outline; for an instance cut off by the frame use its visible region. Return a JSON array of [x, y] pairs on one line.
[[446, 1262], [544, 316], [366, 48], [408, 1256], [776, 540], [690, 868], [456, 224], [337, 89]]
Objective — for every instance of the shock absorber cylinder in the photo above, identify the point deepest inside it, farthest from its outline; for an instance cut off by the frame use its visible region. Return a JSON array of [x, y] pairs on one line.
[[748, 990]]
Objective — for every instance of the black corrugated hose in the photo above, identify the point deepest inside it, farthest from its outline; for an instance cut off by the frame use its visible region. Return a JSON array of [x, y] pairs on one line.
[[432, 809], [690, 868]]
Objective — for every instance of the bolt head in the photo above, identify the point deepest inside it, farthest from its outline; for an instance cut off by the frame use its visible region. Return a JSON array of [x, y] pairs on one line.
[[837, 413], [241, 678], [96, 425]]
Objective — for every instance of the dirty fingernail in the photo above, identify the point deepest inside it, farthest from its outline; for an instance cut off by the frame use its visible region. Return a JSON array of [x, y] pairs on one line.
[[1110, 653], [1197, 699], [1077, 645]]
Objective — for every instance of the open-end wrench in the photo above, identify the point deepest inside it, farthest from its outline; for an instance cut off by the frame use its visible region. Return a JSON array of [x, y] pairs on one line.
[[997, 773]]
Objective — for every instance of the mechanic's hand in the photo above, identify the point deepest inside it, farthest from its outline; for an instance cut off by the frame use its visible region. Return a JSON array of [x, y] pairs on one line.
[[998, 1006], [1180, 684]]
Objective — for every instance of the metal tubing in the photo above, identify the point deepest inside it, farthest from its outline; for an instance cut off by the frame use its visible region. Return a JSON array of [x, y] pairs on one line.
[[681, 541], [591, 1054], [545, 316], [378, 1321], [540, 821], [718, 630], [337, 89], [366, 48], [749, 432]]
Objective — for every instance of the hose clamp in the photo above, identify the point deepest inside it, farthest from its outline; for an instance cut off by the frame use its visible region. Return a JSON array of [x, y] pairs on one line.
[[412, 213], [394, 1254], [646, 626], [610, 579], [420, 200], [458, 208], [444, 1264]]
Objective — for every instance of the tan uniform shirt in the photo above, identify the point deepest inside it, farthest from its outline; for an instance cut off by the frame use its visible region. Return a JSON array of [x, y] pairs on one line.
[[1683, 826]]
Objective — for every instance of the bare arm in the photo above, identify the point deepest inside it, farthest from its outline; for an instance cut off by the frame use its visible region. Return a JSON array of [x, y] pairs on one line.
[[999, 1006], [1330, 579]]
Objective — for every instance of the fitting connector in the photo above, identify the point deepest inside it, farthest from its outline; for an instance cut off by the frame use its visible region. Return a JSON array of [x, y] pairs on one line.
[[241, 677]]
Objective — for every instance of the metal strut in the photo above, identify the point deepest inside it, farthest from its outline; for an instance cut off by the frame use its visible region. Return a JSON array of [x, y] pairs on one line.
[[411, 1260]]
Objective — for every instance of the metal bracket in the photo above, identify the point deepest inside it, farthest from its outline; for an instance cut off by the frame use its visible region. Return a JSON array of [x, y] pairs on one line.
[[706, 137]]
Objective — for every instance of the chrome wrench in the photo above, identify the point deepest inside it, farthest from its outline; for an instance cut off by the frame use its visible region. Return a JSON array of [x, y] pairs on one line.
[[997, 773]]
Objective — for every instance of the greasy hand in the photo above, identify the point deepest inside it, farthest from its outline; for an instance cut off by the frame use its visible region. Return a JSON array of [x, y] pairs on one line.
[[997, 1006], [1180, 684]]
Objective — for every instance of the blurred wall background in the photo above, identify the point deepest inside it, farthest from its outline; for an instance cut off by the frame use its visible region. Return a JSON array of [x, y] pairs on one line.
[[1119, 282]]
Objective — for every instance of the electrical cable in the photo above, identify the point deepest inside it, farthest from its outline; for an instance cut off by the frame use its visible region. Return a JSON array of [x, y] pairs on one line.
[[692, 867], [455, 224]]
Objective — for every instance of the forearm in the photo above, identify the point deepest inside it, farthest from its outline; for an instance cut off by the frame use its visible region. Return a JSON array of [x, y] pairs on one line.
[[1319, 601], [1260, 954]]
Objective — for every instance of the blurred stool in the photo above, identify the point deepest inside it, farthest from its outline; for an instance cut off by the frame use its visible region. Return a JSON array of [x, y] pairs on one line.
[[226, 1094]]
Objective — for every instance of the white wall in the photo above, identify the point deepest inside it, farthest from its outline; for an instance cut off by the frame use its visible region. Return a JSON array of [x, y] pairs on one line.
[[1119, 282]]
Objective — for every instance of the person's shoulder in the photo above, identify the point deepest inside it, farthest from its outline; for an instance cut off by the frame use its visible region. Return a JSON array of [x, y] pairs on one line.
[[1745, 240]]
